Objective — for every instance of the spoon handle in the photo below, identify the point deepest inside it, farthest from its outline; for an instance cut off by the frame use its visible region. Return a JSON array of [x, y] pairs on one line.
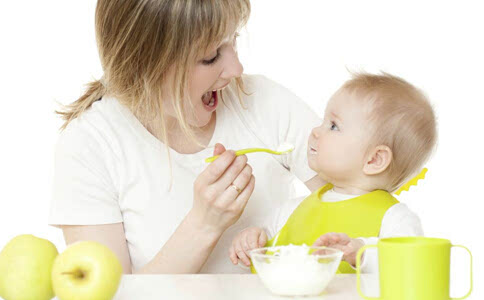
[[242, 152]]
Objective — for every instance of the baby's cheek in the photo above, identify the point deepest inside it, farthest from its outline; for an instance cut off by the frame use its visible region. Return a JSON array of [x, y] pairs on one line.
[[334, 155], [330, 161]]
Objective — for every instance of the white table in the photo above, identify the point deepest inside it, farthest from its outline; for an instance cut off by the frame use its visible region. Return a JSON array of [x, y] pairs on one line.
[[228, 286]]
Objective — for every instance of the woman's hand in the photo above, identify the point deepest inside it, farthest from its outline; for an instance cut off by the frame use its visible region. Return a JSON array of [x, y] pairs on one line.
[[222, 190], [248, 239]]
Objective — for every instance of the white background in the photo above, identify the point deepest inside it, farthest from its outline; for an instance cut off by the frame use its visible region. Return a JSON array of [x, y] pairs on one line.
[[48, 52]]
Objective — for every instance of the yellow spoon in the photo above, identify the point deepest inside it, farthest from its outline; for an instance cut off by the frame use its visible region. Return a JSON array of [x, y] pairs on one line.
[[282, 149]]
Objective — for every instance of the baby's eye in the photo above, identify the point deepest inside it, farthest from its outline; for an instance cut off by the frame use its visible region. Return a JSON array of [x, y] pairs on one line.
[[334, 127]]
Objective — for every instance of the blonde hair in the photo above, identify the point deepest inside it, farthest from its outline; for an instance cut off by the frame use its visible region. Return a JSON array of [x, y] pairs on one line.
[[400, 117], [140, 40]]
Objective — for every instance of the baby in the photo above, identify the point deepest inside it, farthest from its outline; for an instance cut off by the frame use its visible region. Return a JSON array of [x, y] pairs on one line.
[[378, 131]]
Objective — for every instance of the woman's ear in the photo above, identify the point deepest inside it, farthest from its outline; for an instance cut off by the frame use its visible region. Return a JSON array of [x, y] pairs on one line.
[[378, 160]]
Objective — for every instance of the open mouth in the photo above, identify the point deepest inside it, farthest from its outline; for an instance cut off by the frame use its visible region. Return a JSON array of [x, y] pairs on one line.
[[312, 150], [210, 100]]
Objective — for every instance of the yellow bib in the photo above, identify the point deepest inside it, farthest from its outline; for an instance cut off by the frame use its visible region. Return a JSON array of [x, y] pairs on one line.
[[357, 217]]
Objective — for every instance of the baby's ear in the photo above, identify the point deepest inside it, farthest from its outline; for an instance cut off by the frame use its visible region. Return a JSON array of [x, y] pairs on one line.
[[378, 160]]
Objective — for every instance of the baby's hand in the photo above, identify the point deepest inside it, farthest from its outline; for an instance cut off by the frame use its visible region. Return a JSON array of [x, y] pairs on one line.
[[248, 239], [342, 242]]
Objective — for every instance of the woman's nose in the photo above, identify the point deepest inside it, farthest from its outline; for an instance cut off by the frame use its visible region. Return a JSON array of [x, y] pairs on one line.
[[233, 68]]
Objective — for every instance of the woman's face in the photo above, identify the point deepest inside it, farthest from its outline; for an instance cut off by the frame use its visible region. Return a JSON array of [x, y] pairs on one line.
[[209, 74]]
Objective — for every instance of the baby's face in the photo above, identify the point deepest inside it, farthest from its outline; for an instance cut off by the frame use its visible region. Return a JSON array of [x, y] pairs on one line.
[[337, 149]]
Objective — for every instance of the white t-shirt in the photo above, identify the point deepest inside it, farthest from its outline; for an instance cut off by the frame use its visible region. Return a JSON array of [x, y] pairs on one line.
[[398, 221], [110, 169]]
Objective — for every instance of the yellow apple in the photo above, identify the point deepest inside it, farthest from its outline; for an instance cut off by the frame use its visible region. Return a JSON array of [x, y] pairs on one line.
[[25, 268], [86, 270]]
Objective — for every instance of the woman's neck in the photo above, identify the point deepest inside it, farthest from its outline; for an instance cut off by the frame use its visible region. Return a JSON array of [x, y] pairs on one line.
[[183, 144]]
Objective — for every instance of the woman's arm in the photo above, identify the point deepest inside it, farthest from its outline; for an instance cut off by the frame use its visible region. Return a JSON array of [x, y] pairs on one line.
[[110, 235], [216, 206], [185, 252]]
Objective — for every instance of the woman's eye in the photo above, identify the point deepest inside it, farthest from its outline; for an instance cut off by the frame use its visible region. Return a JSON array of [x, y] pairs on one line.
[[334, 127], [212, 60]]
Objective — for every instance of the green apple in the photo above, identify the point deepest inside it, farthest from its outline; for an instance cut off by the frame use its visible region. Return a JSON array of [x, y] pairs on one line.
[[86, 270], [25, 268]]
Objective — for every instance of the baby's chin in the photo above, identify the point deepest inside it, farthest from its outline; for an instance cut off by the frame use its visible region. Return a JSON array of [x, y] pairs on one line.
[[317, 168], [314, 167]]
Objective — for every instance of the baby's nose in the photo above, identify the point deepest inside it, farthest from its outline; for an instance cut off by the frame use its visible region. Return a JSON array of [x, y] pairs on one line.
[[314, 132]]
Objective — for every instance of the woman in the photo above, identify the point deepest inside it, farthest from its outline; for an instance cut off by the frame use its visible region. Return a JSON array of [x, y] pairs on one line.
[[130, 169]]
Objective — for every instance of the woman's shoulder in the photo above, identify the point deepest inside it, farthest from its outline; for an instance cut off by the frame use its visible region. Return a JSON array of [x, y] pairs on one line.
[[271, 112], [94, 130], [259, 86], [259, 93], [257, 80]]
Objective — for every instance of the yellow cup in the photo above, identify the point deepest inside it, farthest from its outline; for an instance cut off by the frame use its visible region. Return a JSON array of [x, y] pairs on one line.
[[416, 268]]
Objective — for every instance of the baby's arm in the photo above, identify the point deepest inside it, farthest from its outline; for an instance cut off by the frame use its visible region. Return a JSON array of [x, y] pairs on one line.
[[398, 221], [248, 239]]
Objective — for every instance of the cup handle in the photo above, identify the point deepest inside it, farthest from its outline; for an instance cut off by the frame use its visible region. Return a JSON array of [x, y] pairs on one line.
[[358, 271], [470, 255]]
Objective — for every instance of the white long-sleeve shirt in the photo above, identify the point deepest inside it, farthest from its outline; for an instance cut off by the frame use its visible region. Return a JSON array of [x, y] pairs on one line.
[[109, 168], [398, 220]]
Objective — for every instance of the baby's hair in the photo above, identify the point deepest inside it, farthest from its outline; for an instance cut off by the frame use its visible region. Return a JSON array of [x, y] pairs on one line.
[[400, 117]]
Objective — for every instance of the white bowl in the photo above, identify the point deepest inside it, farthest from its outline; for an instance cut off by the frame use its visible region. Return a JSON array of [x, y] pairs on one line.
[[296, 270]]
